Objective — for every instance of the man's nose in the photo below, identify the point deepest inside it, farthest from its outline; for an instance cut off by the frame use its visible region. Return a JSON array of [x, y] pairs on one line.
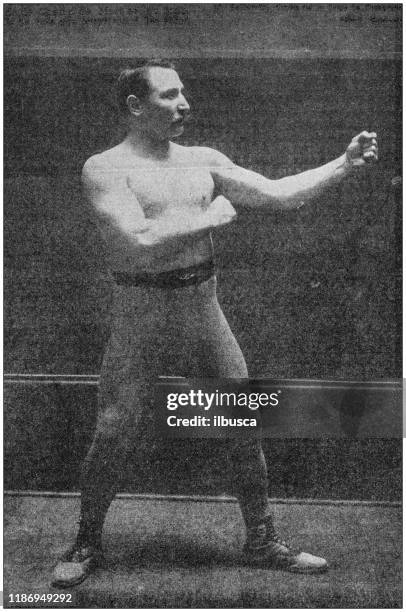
[[183, 104]]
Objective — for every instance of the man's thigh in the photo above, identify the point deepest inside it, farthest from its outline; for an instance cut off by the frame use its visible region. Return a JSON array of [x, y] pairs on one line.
[[219, 354], [149, 340]]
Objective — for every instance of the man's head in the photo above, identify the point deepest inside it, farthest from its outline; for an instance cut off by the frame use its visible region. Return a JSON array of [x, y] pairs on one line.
[[153, 95]]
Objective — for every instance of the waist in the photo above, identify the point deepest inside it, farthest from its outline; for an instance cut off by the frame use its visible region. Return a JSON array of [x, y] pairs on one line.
[[170, 279]]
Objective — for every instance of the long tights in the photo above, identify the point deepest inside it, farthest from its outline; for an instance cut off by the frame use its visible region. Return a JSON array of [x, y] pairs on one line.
[[170, 332]]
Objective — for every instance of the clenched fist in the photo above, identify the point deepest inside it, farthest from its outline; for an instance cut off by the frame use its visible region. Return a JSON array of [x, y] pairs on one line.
[[221, 211], [363, 149]]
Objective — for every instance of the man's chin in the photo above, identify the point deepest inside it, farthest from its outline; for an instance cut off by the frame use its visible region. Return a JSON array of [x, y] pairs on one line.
[[177, 130]]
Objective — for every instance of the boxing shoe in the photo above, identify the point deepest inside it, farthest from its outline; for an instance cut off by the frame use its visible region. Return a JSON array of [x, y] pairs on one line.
[[75, 565], [265, 549]]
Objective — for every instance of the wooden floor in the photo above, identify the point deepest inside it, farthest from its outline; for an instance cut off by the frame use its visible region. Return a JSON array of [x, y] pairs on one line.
[[186, 554]]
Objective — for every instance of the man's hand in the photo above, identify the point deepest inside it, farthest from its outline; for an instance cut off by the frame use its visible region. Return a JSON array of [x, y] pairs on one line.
[[221, 211], [363, 149]]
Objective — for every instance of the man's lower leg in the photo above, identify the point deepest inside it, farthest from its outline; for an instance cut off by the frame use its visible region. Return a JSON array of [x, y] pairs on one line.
[[263, 546], [100, 479]]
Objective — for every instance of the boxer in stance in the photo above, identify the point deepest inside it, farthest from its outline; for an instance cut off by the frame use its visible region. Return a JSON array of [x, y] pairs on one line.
[[156, 204]]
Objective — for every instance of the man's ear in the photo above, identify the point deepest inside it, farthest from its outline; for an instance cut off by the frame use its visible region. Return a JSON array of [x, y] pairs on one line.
[[134, 105]]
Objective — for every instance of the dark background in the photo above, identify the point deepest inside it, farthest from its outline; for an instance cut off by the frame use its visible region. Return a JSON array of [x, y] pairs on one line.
[[313, 293], [309, 293]]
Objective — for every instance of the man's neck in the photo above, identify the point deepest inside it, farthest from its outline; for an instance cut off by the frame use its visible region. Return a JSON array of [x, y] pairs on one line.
[[146, 145]]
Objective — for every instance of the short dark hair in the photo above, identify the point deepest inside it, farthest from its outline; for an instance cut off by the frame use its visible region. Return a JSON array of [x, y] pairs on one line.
[[134, 81]]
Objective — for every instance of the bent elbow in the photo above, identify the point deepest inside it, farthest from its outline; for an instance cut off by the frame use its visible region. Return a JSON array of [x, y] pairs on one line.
[[147, 240]]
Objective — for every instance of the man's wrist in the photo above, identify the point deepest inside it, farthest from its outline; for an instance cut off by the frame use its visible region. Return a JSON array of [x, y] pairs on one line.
[[347, 163]]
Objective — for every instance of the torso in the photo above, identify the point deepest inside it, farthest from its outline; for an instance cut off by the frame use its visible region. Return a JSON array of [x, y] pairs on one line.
[[181, 182]]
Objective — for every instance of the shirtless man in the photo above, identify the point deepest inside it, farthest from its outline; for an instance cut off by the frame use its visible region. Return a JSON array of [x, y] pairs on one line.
[[157, 203]]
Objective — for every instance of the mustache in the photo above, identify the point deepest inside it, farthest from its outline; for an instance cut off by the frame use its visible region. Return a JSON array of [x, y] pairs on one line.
[[186, 117]]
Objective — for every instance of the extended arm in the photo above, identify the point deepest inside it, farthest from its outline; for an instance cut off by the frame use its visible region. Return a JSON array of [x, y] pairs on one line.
[[243, 187]]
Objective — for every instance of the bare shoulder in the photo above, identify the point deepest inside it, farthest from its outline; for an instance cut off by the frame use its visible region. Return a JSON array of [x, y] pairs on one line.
[[213, 158], [207, 157], [91, 169], [99, 169]]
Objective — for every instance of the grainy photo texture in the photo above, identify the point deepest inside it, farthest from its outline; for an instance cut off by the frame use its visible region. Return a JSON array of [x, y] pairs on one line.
[[196, 197]]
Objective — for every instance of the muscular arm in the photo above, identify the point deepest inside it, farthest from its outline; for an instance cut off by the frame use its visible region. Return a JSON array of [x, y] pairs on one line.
[[118, 211], [246, 188]]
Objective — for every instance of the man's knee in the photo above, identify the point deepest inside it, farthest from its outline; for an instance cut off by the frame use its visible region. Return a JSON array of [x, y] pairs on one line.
[[111, 425]]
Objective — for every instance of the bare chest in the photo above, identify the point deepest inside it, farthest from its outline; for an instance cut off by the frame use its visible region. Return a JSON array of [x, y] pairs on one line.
[[160, 189]]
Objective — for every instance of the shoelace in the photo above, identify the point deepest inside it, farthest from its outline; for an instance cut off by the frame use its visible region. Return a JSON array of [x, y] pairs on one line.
[[269, 536], [79, 554]]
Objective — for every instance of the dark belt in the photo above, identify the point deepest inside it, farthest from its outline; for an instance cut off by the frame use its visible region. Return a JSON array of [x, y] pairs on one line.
[[171, 279]]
